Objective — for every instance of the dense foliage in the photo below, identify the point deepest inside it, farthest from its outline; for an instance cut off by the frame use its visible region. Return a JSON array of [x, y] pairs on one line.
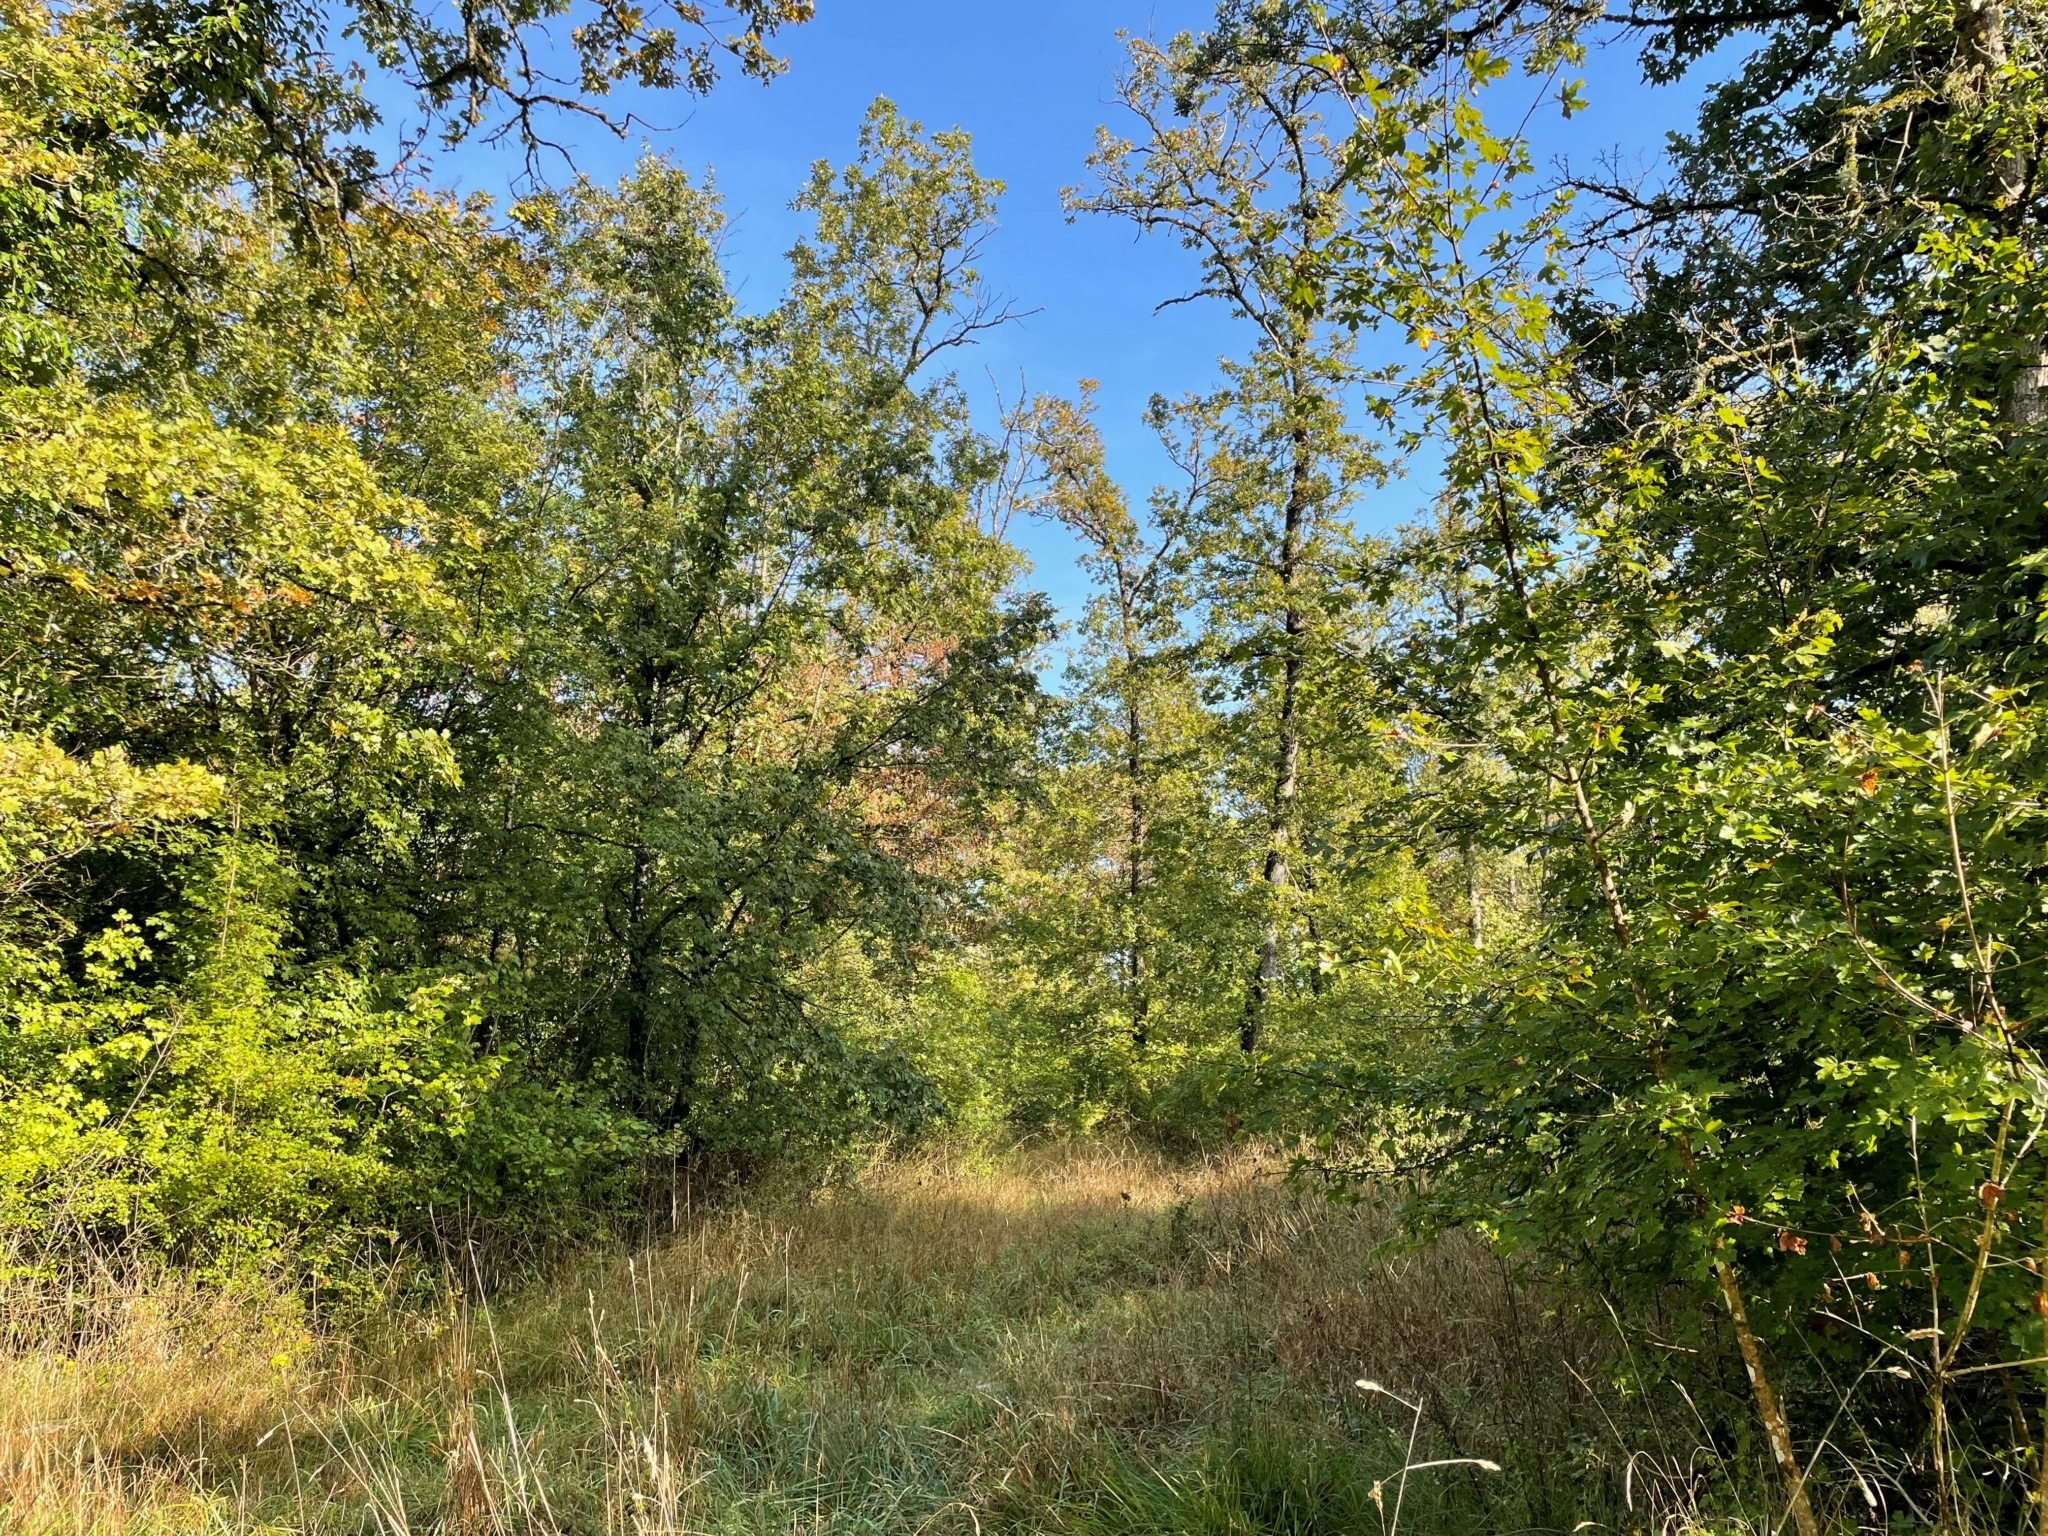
[[493, 725], [1726, 626], [472, 688]]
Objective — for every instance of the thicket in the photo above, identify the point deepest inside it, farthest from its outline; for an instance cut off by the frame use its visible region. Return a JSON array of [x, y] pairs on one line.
[[493, 727]]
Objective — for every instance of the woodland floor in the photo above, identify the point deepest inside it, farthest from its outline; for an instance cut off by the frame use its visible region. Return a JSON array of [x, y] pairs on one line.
[[1078, 1339]]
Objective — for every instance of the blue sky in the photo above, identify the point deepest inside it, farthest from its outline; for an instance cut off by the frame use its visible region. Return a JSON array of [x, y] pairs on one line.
[[1030, 81]]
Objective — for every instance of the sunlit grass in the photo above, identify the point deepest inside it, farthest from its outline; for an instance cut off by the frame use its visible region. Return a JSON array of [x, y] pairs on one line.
[[1074, 1338]]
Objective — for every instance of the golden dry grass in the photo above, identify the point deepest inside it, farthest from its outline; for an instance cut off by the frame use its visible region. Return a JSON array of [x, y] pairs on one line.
[[949, 1343]]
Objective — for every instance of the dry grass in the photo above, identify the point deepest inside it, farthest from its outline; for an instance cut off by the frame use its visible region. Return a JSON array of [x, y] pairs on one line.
[[948, 1344]]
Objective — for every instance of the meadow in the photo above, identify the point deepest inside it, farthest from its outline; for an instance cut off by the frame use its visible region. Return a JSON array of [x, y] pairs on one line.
[[1077, 1338]]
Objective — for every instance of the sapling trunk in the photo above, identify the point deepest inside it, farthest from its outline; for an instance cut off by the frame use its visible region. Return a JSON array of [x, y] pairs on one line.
[[2041, 1470], [1287, 766], [1475, 913], [1768, 1408], [1134, 872]]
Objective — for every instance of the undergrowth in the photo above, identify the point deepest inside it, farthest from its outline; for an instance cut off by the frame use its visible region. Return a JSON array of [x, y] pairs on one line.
[[1080, 1339]]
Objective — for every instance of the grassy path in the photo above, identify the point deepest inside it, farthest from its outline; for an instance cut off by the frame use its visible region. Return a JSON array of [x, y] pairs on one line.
[[1079, 1340]]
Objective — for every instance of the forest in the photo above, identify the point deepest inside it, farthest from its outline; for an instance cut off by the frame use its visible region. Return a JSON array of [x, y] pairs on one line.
[[583, 950]]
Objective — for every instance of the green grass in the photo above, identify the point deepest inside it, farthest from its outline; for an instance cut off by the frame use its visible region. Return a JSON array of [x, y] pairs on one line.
[[1080, 1340]]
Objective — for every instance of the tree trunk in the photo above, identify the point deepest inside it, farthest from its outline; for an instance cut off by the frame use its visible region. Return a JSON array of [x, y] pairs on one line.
[[639, 978], [486, 1032], [2027, 406], [1476, 915], [1776, 1429], [1287, 766], [1980, 39], [1134, 976], [1317, 981], [684, 1100], [1981, 49]]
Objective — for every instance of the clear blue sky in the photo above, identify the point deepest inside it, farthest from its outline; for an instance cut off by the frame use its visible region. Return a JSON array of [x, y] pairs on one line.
[[1030, 81]]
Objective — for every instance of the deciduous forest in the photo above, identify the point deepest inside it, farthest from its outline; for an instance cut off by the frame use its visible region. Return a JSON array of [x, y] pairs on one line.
[[583, 951]]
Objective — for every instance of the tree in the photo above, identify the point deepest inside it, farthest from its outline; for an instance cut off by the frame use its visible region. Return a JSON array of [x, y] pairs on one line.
[[1742, 536], [1133, 628], [768, 631], [1234, 163], [543, 628]]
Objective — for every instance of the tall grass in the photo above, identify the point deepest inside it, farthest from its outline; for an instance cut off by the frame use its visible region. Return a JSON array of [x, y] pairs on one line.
[[1079, 1339]]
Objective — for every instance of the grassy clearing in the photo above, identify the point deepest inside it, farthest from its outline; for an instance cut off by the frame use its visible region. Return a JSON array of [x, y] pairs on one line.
[[1079, 1339]]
